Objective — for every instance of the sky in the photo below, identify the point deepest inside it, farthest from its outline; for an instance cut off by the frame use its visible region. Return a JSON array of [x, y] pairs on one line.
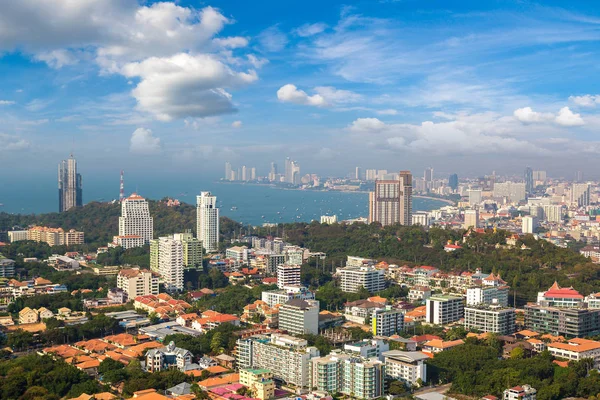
[[181, 87]]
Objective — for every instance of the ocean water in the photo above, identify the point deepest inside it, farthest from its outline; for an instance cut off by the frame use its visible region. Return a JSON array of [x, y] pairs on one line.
[[245, 203]]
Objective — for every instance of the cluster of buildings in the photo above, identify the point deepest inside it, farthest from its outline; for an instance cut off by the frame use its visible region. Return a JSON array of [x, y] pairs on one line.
[[52, 236]]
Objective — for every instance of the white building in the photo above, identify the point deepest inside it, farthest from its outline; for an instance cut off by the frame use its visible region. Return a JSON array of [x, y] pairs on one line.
[[168, 357], [444, 309], [471, 219], [286, 356], [288, 275], [299, 317], [368, 348], [407, 366], [170, 263], [513, 191], [580, 194], [553, 213], [420, 218], [353, 278], [237, 253], [329, 219], [286, 294], [524, 392], [135, 222], [490, 318], [487, 295], [529, 224], [577, 349], [207, 221], [15, 236], [474, 197], [387, 322], [419, 293], [137, 282]]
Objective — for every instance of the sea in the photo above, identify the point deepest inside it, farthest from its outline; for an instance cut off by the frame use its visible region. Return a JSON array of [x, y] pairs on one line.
[[249, 204]]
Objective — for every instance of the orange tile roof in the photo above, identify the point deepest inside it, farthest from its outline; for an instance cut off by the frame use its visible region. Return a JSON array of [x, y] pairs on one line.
[[440, 344], [577, 345], [563, 364], [95, 363], [219, 381], [217, 369], [122, 339], [529, 333]]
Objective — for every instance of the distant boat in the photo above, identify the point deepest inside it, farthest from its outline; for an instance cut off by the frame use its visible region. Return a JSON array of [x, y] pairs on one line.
[[233, 208]]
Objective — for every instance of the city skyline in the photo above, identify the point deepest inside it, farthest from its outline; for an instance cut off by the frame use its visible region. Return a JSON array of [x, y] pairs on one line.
[[319, 87]]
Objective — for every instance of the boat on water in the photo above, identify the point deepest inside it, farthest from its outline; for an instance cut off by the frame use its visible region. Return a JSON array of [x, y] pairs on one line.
[[233, 208]]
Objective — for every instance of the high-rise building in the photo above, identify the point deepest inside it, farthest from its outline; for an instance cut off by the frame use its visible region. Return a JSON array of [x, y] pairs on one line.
[[453, 181], [244, 173], [288, 275], [192, 250], [580, 194], [528, 175], [371, 174], [358, 173], [387, 322], [70, 193], [253, 173], [553, 213], [474, 197], [228, 171], [299, 317], [579, 176], [539, 176], [513, 191], [391, 202], [353, 278], [490, 318], [207, 221], [135, 222], [170, 263], [471, 219], [428, 175], [137, 282], [444, 309], [273, 173], [529, 224]]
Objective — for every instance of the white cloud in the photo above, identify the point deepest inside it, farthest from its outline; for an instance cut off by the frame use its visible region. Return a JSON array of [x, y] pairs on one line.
[[466, 135], [6, 102], [233, 42], [12, 143], [272, 39], [387, 112], [586, 100], [257, 62], [325, 96], [566, 117], [527, 115], [310, 29], [57, 58], [185, 85], [38, 104], [236, 124], [291, 94], [142, 142]]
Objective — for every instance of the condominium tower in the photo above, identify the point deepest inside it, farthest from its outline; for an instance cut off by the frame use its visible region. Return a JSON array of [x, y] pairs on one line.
[[69, 185], [207, 221], [170, 263], [136, 226], [391, 202]]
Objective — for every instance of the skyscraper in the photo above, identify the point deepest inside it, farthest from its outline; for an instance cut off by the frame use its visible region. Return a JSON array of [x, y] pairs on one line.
[[391, 202], [428, 174], [273, 173], [207, 221], [580, 194], [69, 185], [136, 226], [170, 263], [453, 181], [228, 171], [579, 176], [528, 180], [358, 173]]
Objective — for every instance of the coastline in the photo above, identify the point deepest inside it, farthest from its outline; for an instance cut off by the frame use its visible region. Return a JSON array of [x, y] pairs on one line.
[[447, 201]]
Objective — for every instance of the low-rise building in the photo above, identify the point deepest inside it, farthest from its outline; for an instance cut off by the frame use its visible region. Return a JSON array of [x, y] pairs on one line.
[[419, 293], [361, 311], [368, 348], [406, 366], [566, 321], [387, 322], [438, 345], [524, 392], [137, 282], [28, 316], [7, 267], [576, 349], [259, 381], [282, 296], [168, 357]]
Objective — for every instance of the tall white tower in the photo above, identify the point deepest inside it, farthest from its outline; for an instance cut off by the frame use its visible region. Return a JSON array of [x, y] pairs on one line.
[[135, 219], [207, 221], [170, 263]]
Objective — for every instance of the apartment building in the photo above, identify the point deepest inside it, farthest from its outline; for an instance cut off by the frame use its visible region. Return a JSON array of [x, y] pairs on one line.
[[170, 263], [487, 295], [576, 349], [15, 236], [137, 282], [387, 322], [406, 366], [287, 356], [136, 226], [299, 316], [259, 381], [368, 348], [288, 275], [353, 278], [419, 293], [359, 377], [7, 267], [490, 318], [361, 311], [444, 309], [55, 236], [566, 321], [273, 297]]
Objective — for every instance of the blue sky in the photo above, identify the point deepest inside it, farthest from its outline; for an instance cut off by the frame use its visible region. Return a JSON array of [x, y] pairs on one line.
[[462, 86]]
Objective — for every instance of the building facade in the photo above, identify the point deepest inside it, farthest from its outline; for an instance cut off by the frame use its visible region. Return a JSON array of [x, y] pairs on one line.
[[571, 322], [353, 278], [406, 366], [299, 317], [489, 318], [170, 263], [444, 309], [135, 221], [286, 294], [137, 282], [387, 322], [288, 275], [207, 221], [391, 201], [168, 357], [70, 192]]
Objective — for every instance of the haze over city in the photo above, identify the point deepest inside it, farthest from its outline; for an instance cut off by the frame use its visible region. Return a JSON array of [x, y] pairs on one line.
[[466, 87]]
